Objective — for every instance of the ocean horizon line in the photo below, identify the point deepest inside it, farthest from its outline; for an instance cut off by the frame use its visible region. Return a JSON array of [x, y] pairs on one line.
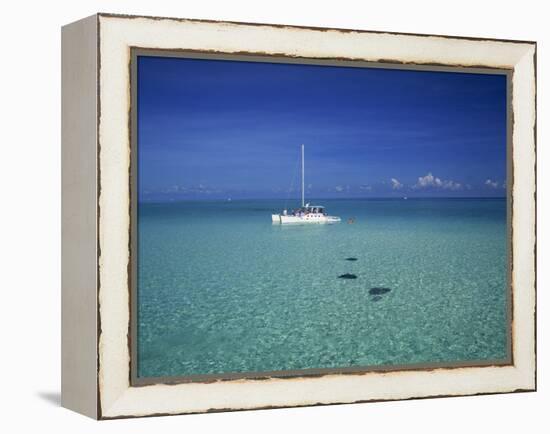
[[313, 200]]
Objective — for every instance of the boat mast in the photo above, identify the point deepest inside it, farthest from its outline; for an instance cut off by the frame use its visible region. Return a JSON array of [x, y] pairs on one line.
[[303, 202]]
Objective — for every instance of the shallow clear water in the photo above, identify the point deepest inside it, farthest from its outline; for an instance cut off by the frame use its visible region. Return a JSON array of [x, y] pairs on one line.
[[221, 289]]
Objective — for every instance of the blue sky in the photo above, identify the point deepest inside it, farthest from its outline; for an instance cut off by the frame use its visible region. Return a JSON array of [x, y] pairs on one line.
[[210, 129]]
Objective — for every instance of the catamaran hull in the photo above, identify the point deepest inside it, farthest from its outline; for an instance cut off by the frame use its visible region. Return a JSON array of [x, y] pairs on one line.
[[300, 220]]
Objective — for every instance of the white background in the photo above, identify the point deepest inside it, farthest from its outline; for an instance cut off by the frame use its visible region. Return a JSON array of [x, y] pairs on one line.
[[30, 216]]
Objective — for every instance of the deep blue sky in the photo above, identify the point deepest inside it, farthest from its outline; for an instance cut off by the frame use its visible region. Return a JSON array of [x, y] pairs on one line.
[[216, 129]]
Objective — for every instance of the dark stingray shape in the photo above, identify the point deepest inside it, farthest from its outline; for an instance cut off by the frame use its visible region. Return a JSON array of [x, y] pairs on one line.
[[377, 298], [351, 259], [378, 291], [347, 276]]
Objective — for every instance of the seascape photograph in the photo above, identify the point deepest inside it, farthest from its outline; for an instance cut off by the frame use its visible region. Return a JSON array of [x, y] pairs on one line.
[[299, 218]]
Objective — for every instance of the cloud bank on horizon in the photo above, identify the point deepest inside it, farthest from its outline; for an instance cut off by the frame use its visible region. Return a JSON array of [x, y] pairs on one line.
[[218, 129]]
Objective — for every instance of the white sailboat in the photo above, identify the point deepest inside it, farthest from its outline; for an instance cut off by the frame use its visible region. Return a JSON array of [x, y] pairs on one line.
[[307, 213]]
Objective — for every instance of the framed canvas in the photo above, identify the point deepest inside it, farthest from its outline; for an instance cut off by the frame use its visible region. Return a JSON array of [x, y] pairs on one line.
[[262, 216]]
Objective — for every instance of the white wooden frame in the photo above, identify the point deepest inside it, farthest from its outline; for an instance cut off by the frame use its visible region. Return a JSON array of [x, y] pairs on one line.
[[96, 215]]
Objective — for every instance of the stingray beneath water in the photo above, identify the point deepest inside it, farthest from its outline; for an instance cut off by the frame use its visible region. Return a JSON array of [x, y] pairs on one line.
[[347, 276], [351, 259], [378, 291]]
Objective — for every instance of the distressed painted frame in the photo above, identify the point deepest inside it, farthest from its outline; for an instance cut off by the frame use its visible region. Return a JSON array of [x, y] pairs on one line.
[[96, 135]]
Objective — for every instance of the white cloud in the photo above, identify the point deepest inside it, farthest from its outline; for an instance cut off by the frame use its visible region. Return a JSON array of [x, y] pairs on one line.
[[451, 185], [430, 181], [193, 190], [395, 184], [175, 189], [365, 187], [339, 188], [491, 184]]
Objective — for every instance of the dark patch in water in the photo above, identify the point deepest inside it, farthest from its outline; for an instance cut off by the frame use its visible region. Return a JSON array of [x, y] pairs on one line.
[[347, 276], [377, 298], [378, 291], [351, 259]]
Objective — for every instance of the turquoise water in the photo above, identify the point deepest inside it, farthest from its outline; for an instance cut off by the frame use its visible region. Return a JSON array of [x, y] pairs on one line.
[[221, 289]]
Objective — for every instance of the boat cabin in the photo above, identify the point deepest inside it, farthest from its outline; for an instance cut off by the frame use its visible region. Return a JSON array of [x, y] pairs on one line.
[[305, 210]]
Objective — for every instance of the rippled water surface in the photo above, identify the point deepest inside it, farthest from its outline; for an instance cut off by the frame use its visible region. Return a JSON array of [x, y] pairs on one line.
[[221, 289]]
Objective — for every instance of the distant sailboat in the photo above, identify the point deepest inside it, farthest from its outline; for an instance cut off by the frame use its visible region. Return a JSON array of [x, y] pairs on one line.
[[307, 213]]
